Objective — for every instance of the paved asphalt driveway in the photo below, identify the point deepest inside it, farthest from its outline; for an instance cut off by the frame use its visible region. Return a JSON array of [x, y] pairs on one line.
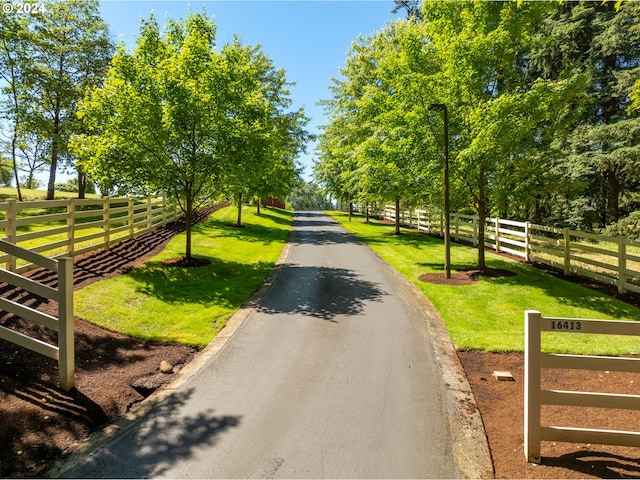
[[331, 375]]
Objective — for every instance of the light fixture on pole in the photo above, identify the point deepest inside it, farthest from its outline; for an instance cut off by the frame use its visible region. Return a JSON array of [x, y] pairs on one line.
[[447, 240]]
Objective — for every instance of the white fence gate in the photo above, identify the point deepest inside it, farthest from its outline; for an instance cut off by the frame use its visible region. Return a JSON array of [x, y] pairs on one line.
[[534, 396]]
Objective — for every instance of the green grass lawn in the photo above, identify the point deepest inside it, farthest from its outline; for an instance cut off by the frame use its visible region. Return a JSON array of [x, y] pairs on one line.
[[28, 194], [191, 305], [489, 315]]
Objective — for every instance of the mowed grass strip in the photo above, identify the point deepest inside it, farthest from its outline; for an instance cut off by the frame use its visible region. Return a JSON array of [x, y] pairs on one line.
[[191, 305], [489, 314]]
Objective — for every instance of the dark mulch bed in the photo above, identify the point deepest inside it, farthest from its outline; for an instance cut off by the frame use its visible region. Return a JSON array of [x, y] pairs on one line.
[[501, 404], [465, 276]]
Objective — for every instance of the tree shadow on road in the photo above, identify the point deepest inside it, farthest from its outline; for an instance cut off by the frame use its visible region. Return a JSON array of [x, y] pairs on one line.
[[164, 438], [320, 292]]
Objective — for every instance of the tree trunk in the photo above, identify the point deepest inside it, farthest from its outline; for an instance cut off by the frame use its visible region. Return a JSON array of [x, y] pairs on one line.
[[15, 164], [51, 187], [188, 216], [82, 184], [367, 209], [258, 203], [350, 208], [482, 215], [397, 215], [239, 223]]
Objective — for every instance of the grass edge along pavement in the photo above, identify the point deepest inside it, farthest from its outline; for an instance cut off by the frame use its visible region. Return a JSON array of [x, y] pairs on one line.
[[489, 314], [191, 305]]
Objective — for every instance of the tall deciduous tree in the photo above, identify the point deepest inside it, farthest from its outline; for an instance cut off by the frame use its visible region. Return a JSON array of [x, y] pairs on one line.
[[69, 52], [497, 120], [13, 48], [160, 122], [378, 137], [178, 115], [266, 136]]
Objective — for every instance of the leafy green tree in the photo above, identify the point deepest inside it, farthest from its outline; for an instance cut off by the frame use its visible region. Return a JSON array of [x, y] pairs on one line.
[[178, 115], [498, 123], [162, 117], [13, 47], [69, 52], [378, 145], [265, 137]]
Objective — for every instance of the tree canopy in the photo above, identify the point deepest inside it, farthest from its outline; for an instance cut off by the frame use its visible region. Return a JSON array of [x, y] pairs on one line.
[[179, 115], [542, 99], [49, 59]]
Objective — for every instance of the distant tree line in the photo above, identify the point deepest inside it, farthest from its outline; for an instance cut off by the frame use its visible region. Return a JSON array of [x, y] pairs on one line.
[[543, 103]]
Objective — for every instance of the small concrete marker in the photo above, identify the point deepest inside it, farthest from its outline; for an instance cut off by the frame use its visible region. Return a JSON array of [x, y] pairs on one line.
[[503, 376]]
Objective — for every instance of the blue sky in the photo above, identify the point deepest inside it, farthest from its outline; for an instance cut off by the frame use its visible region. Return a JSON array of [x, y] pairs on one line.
[[307, 38]]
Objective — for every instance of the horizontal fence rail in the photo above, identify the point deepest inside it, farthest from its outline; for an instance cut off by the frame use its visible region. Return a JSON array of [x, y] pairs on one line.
[[610, 260], [63, 351], [71, 227], [534, 396]]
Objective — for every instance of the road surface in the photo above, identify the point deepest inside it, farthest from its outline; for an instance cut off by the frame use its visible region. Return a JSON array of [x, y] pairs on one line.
[[331, 375]]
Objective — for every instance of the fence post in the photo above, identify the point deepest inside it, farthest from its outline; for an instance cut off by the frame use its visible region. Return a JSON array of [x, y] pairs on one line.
[[527, 241], [11, 231], [66, 348], [71, 224], [164, 210], [622, 264], [532, 434], [105, 221], [131, 219], [457, 217], [567, 251], [497, 230], [474, 224], [148, 214]]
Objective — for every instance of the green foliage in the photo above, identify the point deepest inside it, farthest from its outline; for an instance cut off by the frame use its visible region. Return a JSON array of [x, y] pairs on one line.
[[595, 167], [542, 101], [635, 98], [308, 196], [190, 305], [180, 116], [50, 59]]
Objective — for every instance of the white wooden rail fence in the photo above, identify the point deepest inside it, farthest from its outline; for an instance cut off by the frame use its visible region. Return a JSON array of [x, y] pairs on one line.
[[80, 225], [534, 396], [63, 352], [610, 260]]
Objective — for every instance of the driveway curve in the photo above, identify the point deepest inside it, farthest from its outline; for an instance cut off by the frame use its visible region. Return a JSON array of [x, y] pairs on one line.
[[332, 374]]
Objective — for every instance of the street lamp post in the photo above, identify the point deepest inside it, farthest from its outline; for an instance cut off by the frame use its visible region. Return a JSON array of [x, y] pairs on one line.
[[447, 240]]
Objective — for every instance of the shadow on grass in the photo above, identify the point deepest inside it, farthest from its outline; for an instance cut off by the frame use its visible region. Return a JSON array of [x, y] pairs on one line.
[[527, 276], [563, 291], [319, 292], [269, 213], [251, 232], [221, 282]]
